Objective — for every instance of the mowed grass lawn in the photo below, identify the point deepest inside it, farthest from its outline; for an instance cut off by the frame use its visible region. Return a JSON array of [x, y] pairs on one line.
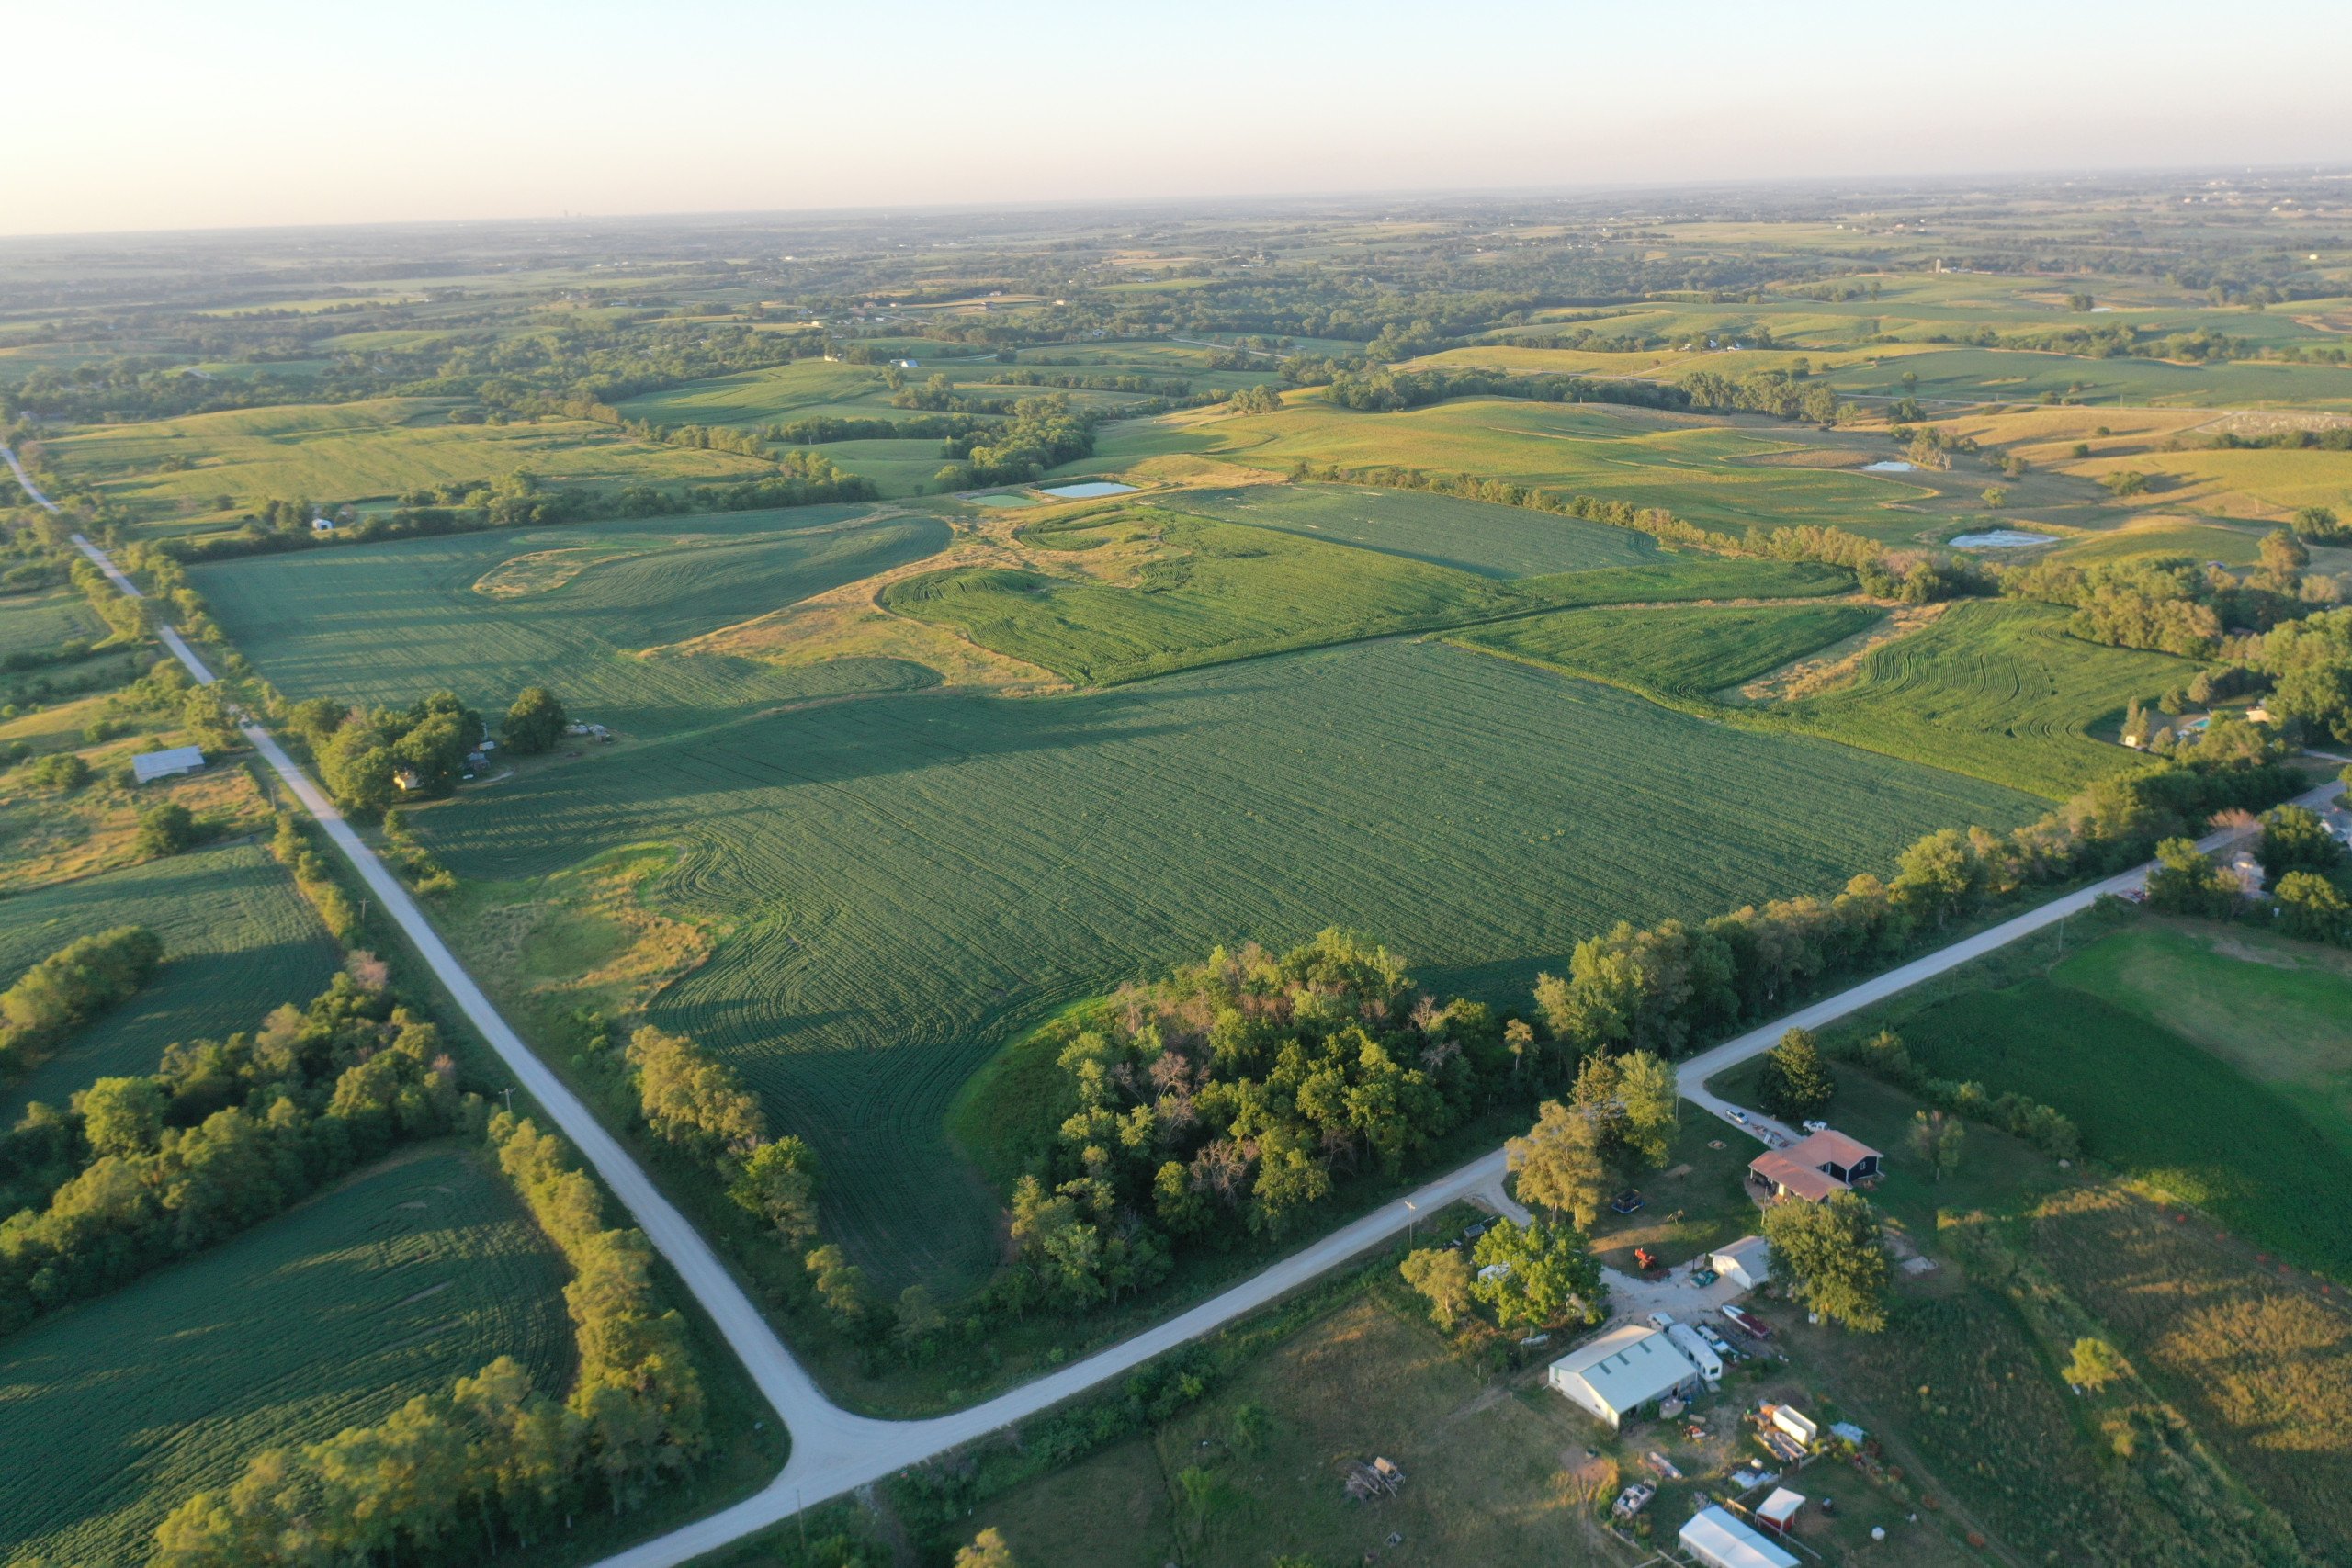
[[912, 880], [1683, 652], [1994, 689], [354, 451], [1482, 1465], [1693, 469], [486, 615], [399, 1280], [238, 938]]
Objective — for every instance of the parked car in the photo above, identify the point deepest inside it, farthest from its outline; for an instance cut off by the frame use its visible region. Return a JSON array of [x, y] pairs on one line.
[[1816, 1126], [1626, 1202], [1702, 1278], [1738, 1115], [1661, 1320]]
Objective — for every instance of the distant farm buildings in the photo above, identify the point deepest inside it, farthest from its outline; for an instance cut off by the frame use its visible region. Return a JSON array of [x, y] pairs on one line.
[[149, 766], [1816, 1168]]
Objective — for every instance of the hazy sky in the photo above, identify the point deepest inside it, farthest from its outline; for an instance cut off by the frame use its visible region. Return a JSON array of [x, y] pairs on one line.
[[142, 114]]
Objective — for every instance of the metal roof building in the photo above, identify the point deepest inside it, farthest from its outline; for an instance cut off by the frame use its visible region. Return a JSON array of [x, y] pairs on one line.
[[1623, 1370], [1719, 1541], [149, 766]]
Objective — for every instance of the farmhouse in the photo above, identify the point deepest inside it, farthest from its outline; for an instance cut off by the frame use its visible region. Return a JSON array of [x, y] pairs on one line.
[[1714, 1538], [1746, 1262], [1624, 1369], [1816, 1168], [149, 766]]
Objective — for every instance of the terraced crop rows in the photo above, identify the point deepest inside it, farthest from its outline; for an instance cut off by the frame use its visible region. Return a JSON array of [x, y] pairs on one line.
[[387, 623], [1998, 690], [1443, 530], [913, 877], [405, 1277], [238, 938], [1680, 652], [34, 623]]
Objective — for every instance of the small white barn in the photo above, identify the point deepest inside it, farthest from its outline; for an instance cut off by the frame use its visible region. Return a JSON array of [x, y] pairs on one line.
[[149, 766], [1714, 1538], [1746, 1262], [1624, 1369]]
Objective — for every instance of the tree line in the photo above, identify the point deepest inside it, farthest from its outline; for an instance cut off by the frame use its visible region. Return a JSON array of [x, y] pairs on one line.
[[1043, 433], [2306, 887], [453, 1477], [142, 1169], [85, 978]]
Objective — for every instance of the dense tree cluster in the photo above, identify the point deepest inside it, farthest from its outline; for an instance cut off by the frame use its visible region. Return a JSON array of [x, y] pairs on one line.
[[452, 1477], [836, 427], [372, 758], [1378, 391], [2309, 664], [68, 988], [1042, 433], [1831, 1253], [1796, 1084], [223, 1135], [1232, 1095], [2306, 879]]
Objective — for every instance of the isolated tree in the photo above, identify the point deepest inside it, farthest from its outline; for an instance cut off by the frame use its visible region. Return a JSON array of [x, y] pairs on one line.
[[1831, 1251], [1549, 1274], [535, 723], [1936, 1138], [1996, 496], [2094, 1364], [987, 1550], [2311, 909], [1558, 1164], [63, 772], [165, 828], [1441, 1275], [1797, 1083]]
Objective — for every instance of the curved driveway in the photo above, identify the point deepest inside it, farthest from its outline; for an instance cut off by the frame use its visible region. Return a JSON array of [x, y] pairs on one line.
[[834, 1450]]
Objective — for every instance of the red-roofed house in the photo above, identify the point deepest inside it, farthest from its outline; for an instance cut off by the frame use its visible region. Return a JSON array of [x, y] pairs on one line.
[[1816, 1168]]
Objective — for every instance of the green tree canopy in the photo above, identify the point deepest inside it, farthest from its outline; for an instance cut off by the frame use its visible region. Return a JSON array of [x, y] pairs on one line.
[[1831, 1251]]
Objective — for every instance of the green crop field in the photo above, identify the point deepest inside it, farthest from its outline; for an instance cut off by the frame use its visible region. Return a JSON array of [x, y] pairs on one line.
[[1693, 469], [399, 1280], [802, 389], [1206, 591], [1685, 652], [351, 451], [238, 940], [1443, 530], [912, 879], [34, 623], [389, 622], [1975, 374], [2157, 1107], [1998, 690]]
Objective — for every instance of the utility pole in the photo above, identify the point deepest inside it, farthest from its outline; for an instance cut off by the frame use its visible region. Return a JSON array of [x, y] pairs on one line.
[[510, 1100]]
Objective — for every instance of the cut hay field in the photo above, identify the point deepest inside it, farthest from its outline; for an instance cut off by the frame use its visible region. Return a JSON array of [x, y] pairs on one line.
[[354, 451], [36, 623], [1994, 689], [1684, 652], [398, 1280], [909, 881], [1443, 530], [238, 938], [1692, 469], [487, 613]]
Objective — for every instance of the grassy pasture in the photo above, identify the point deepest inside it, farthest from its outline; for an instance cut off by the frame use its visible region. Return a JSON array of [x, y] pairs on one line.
[[1996, 689], [238, 938], [1692, 469], [908, 882], [2157, 1106], [388, 622], [348, 451], [1975, 374], [36, 622], [2161, 535], [801, 389], [2262, 1365], [398, 1280], [1443, 530], [1685, 652]]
